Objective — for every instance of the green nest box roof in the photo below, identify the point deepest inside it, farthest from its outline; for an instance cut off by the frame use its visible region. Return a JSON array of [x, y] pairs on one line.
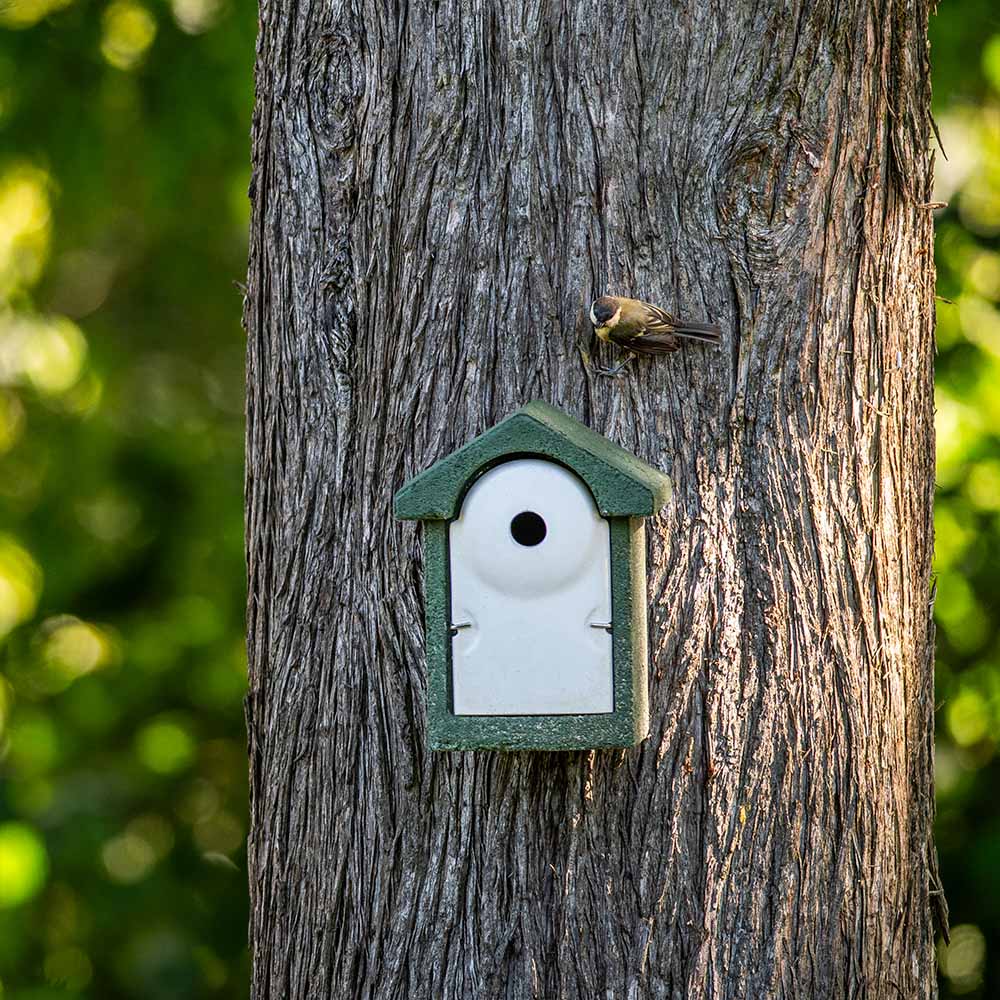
[[622, 485]]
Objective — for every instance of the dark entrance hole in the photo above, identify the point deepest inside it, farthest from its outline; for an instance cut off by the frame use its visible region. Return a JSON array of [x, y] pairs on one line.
[[527, 528]]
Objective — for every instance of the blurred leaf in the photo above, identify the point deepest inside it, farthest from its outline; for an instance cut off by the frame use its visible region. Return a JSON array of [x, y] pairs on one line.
[[123, 218]]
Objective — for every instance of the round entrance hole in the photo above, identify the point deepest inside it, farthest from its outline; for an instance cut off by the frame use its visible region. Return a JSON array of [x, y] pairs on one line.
[[527, 528]]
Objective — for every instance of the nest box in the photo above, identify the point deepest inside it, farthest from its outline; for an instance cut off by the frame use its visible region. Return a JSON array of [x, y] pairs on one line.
[[535, 587]]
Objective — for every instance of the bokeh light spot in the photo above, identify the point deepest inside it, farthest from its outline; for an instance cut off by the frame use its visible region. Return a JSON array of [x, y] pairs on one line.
[[132, 855], [110, 517], [983, 485], [23, 863], [980, 322], [957, 428], [200, 802], [53, 351], [991, 62], [156, 831], [85, 396], [73, 648], [239, 201], [196, 16], [953, 534], [82, 281], [984, 274], [128, 858], [958, 132], [979, 206], [129, 30], [221, 833], [25, 13], [165, 747], [24, 226], [968, 717], [963, 958], [20, 585], [947, 768], [959, 613]]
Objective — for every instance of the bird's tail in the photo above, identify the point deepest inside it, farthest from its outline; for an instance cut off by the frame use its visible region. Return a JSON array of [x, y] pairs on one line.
[[708, 333]]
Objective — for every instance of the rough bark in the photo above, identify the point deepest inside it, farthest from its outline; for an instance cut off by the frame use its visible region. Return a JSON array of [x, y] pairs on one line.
[[439, 188]]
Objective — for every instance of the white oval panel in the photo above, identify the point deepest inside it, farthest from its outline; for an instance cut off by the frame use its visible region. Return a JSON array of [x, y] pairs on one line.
[[530, 574]]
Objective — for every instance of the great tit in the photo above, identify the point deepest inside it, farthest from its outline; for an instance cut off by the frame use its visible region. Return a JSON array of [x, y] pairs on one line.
[[643, 328]]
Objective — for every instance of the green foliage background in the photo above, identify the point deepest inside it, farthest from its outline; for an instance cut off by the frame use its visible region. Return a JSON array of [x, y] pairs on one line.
[[123, 173], [124, 165]]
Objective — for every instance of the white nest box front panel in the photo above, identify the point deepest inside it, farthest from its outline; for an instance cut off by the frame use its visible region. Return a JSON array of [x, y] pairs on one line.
[[530, 560]]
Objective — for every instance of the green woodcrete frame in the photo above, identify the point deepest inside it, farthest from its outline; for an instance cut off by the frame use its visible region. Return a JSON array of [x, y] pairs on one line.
[[625, 490]]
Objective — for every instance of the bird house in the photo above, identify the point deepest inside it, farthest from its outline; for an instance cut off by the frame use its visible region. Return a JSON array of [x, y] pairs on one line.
[[535, 587]]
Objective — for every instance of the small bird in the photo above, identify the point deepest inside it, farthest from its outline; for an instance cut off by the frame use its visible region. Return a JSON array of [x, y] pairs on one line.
[[643, 328]]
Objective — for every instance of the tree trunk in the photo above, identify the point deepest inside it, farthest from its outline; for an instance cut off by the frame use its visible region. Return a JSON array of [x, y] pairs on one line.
[[439, 190]]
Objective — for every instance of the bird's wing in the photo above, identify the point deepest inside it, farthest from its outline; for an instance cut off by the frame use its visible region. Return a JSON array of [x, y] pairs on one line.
[[655, 320], [663, 323], [646, 343]]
